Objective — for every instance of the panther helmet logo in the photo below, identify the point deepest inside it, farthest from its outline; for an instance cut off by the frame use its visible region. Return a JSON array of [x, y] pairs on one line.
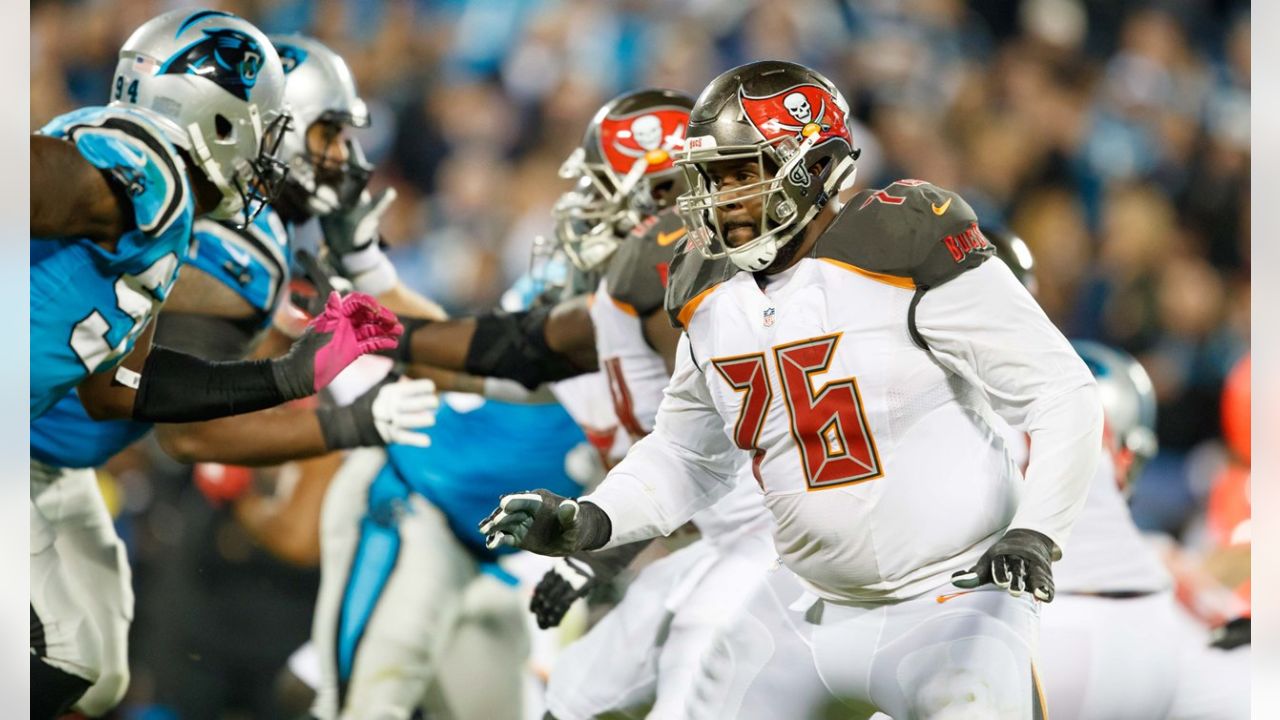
[[228, 57], [291, 56], [653, 135], [802, 110]]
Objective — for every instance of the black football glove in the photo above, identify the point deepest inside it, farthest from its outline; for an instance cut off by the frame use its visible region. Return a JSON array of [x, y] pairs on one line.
[[577, 576], [545, 523], [1232, 635], [1018, 562]]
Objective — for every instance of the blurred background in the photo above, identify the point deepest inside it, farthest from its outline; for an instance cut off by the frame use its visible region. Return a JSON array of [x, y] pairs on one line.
[[1112, 136]]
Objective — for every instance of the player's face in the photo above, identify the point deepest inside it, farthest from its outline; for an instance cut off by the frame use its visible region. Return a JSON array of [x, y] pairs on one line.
[[739, 220], [327, 146]]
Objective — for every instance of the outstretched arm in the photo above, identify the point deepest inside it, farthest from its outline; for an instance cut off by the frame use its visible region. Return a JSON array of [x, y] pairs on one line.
[[155, 384], [531, 347], [72, 198]]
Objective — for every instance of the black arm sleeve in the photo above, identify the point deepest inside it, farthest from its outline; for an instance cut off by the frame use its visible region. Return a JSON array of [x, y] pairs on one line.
[[514, 346], [176, 387]]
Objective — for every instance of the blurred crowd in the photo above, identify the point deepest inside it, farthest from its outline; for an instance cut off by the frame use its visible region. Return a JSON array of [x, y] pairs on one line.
[[1112, 136]]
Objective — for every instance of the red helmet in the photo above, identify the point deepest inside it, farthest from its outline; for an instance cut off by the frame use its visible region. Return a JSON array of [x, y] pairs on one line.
[[793, 122], [626, 170]]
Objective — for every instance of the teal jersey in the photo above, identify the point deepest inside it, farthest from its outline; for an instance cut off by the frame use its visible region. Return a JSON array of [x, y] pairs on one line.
[[248, 260], [479, 455], [90, 304]]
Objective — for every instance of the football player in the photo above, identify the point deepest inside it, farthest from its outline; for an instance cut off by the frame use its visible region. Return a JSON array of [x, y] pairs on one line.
[[856, 351], [645, 650], [414, 612], [218, 309]]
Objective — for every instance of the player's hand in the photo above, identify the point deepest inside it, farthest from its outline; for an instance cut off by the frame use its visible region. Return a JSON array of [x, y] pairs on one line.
[[1018, 562], [569, 579], [545, 523], [349, 327], [349, 233], [391, 412]]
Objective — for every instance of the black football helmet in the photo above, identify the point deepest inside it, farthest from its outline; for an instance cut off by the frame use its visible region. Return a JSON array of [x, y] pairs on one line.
[[625, 168], [793, 122]]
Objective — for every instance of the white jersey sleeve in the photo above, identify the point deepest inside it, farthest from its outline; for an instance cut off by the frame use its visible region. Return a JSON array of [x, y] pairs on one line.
[[985, 327], [683, 466]]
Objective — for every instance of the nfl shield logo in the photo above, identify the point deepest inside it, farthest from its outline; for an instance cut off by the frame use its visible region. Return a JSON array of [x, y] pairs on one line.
[[768, 317]]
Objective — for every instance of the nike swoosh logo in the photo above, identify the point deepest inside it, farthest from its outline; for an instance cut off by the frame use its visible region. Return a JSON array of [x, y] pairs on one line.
[[665, 239], [938, 210]]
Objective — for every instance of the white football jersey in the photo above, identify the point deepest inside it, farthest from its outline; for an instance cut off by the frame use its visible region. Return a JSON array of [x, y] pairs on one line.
[[637, 376], [1106, 552], [877, 457], [586, 399]]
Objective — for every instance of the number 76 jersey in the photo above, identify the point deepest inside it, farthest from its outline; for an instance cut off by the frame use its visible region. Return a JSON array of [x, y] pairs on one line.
[[90, 304], [877, 459]]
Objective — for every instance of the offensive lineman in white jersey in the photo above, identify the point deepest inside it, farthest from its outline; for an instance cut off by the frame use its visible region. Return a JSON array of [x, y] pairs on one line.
[[646, 650], [858, 359]]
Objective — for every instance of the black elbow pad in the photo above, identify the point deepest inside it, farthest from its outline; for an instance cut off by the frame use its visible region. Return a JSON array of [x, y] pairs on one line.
[[514, 346]]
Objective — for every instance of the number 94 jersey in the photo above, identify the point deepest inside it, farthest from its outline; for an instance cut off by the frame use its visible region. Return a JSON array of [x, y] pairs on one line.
[[90, 304]]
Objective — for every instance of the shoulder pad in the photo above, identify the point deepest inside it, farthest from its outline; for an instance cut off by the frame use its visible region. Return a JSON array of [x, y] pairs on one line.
[[638, 271], [135, 151], [911, 233], [691, 278]]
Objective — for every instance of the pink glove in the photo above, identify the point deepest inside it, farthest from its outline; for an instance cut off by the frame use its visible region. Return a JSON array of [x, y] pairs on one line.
[[349, 327]]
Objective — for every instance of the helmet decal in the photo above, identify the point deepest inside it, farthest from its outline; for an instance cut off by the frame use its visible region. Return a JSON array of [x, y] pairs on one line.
[[653, 135], [291, 56], [228, 57], [802, 110]]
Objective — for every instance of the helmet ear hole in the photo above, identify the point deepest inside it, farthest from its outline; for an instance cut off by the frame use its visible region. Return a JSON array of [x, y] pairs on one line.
[[223, 127]]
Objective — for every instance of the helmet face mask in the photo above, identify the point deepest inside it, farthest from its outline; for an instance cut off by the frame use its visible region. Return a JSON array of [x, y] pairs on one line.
[[789, 121], [625, 171], [321, 93], [215, 85]]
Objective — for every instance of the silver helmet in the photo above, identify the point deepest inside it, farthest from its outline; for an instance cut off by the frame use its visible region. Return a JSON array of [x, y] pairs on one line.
[[626, 160], [1128, 405], [793, 123], [319, 87], [216, 87]]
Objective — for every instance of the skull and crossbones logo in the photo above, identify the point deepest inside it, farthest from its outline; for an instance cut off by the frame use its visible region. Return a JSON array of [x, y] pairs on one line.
[[651, 140]]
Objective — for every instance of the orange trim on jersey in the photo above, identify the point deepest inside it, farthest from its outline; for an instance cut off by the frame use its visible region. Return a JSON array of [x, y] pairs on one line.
[[624, 307], [897, 281], [691, 307], [1038, 691]]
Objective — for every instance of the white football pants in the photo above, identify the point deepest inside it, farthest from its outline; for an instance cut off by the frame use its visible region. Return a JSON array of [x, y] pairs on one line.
[[81, 585], [404, 617], [648, 648], [790, 655]]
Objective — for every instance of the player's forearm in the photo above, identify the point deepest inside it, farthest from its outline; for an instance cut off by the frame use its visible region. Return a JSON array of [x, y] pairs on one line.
[[656, 489], [1066, 443], [267, 437], [525, 346], [407, 303]]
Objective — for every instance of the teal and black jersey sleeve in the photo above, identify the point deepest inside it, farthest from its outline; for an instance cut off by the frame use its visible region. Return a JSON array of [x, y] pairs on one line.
[[911, 229], [253, 261], [89, 304], [638, 271]]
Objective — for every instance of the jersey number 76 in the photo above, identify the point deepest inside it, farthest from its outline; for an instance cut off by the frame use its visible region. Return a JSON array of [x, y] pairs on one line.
[[827, 423]]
